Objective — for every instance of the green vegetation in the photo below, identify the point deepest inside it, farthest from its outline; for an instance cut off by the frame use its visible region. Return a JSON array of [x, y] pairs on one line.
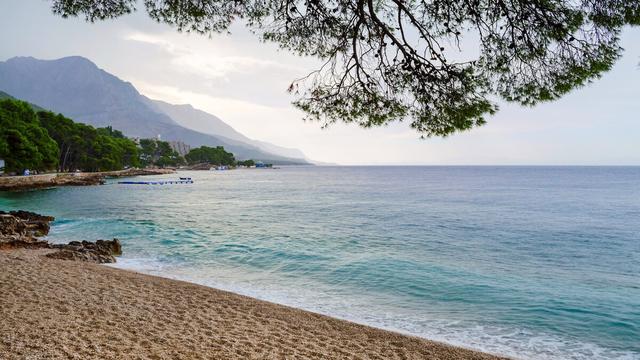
[[215, 156], [247, 163], [46, 141], [158, 153], [4, 95], [440, 64], [24, 143], [83, 147]]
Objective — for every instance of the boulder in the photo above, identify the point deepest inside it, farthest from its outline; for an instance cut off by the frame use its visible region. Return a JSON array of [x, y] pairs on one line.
[[112, 246], [29, 216], [11, 226], [101, 252], [22, 229]]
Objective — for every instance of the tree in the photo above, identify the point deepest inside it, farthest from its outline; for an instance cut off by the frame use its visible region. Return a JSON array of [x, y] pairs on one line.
[[158, 153], [247, 163], [111, 132], [215, 156], [388, 60], [24, 143], [44, 141], [86, 148]]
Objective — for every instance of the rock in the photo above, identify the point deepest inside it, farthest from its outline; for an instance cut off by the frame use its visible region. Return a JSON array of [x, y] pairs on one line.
[[29, 216], [82, 255], [18, 183], [113, 246], [15, 183], [11, 226], [101, 252], [21, 244], [137, 172], [21, 229], [200, 166], [37, 224]]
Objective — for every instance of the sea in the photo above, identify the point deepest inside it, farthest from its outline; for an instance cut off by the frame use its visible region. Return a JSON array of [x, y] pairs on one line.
[[528, 262]]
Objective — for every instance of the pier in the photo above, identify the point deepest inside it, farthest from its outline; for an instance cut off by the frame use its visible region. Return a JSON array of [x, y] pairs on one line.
[[158, 182]]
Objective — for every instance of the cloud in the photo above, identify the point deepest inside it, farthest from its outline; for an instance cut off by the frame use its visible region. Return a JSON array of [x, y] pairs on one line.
[[577, 129], [210, 63], [271, 123], [149, 39]]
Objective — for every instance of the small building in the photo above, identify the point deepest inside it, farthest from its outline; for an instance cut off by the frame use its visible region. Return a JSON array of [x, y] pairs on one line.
[[1, 166]]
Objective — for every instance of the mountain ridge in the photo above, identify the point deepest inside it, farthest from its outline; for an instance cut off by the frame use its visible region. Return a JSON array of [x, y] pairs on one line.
[[199, 120], [79, 89]]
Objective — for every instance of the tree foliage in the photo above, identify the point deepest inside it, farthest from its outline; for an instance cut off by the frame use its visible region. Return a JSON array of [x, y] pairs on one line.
[[83, 147], [24, 143], [439, 63], [214, 156], [158, 153], [247, 163]]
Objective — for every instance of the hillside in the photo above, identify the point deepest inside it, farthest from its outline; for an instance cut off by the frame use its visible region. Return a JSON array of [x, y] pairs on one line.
[[198, 120], [77, 88], [4, 95]]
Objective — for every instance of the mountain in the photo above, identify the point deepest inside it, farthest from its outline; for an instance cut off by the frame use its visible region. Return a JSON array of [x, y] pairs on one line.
[[198, 120], [77, 88], [4, 95]]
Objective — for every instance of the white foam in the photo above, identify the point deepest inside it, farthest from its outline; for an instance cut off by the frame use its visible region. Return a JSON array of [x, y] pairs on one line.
[[514, 343], [144, 265]]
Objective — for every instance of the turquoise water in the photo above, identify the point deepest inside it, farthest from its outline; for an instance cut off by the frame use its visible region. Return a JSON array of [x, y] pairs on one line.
[[531, 262]]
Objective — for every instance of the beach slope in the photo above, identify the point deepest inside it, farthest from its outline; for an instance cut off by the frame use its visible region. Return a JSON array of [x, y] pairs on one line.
[[57, 309]]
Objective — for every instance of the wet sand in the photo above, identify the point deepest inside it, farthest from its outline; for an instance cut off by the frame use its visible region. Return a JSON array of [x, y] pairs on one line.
[[57, 309]]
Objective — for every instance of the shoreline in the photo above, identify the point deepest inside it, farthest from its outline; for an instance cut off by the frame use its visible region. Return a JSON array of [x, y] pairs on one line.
[[41, 181], [97, 311]]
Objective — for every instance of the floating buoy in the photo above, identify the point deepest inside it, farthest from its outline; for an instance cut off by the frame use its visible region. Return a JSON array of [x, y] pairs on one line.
[[159, 182]]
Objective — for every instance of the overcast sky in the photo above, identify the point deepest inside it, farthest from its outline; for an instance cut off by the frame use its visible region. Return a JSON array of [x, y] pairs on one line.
[[244, 82]]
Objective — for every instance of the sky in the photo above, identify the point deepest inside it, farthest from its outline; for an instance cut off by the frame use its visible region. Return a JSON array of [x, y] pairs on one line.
[[243, 81]]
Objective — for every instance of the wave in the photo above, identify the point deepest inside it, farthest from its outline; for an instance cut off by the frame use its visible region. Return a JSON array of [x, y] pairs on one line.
[[518, 343]]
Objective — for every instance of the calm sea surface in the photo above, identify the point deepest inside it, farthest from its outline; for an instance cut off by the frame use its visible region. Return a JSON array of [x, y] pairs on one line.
[[531, 262]]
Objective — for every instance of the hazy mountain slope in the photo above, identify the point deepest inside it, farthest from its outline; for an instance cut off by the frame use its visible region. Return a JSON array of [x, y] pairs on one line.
[[4, 95], [198, 120], [77, 88], [280, 150]]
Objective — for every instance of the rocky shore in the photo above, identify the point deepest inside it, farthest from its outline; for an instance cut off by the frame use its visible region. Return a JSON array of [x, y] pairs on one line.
[[13, 183], [137, 172], [23, 230]]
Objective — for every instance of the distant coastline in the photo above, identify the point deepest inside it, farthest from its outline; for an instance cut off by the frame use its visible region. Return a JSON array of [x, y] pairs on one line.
[[13, 183]]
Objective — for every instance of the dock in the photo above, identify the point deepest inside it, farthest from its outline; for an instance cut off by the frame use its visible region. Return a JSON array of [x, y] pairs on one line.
[[158, 182]]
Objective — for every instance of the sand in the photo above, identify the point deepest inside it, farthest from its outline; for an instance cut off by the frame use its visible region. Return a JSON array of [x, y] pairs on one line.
[[58, 309]]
